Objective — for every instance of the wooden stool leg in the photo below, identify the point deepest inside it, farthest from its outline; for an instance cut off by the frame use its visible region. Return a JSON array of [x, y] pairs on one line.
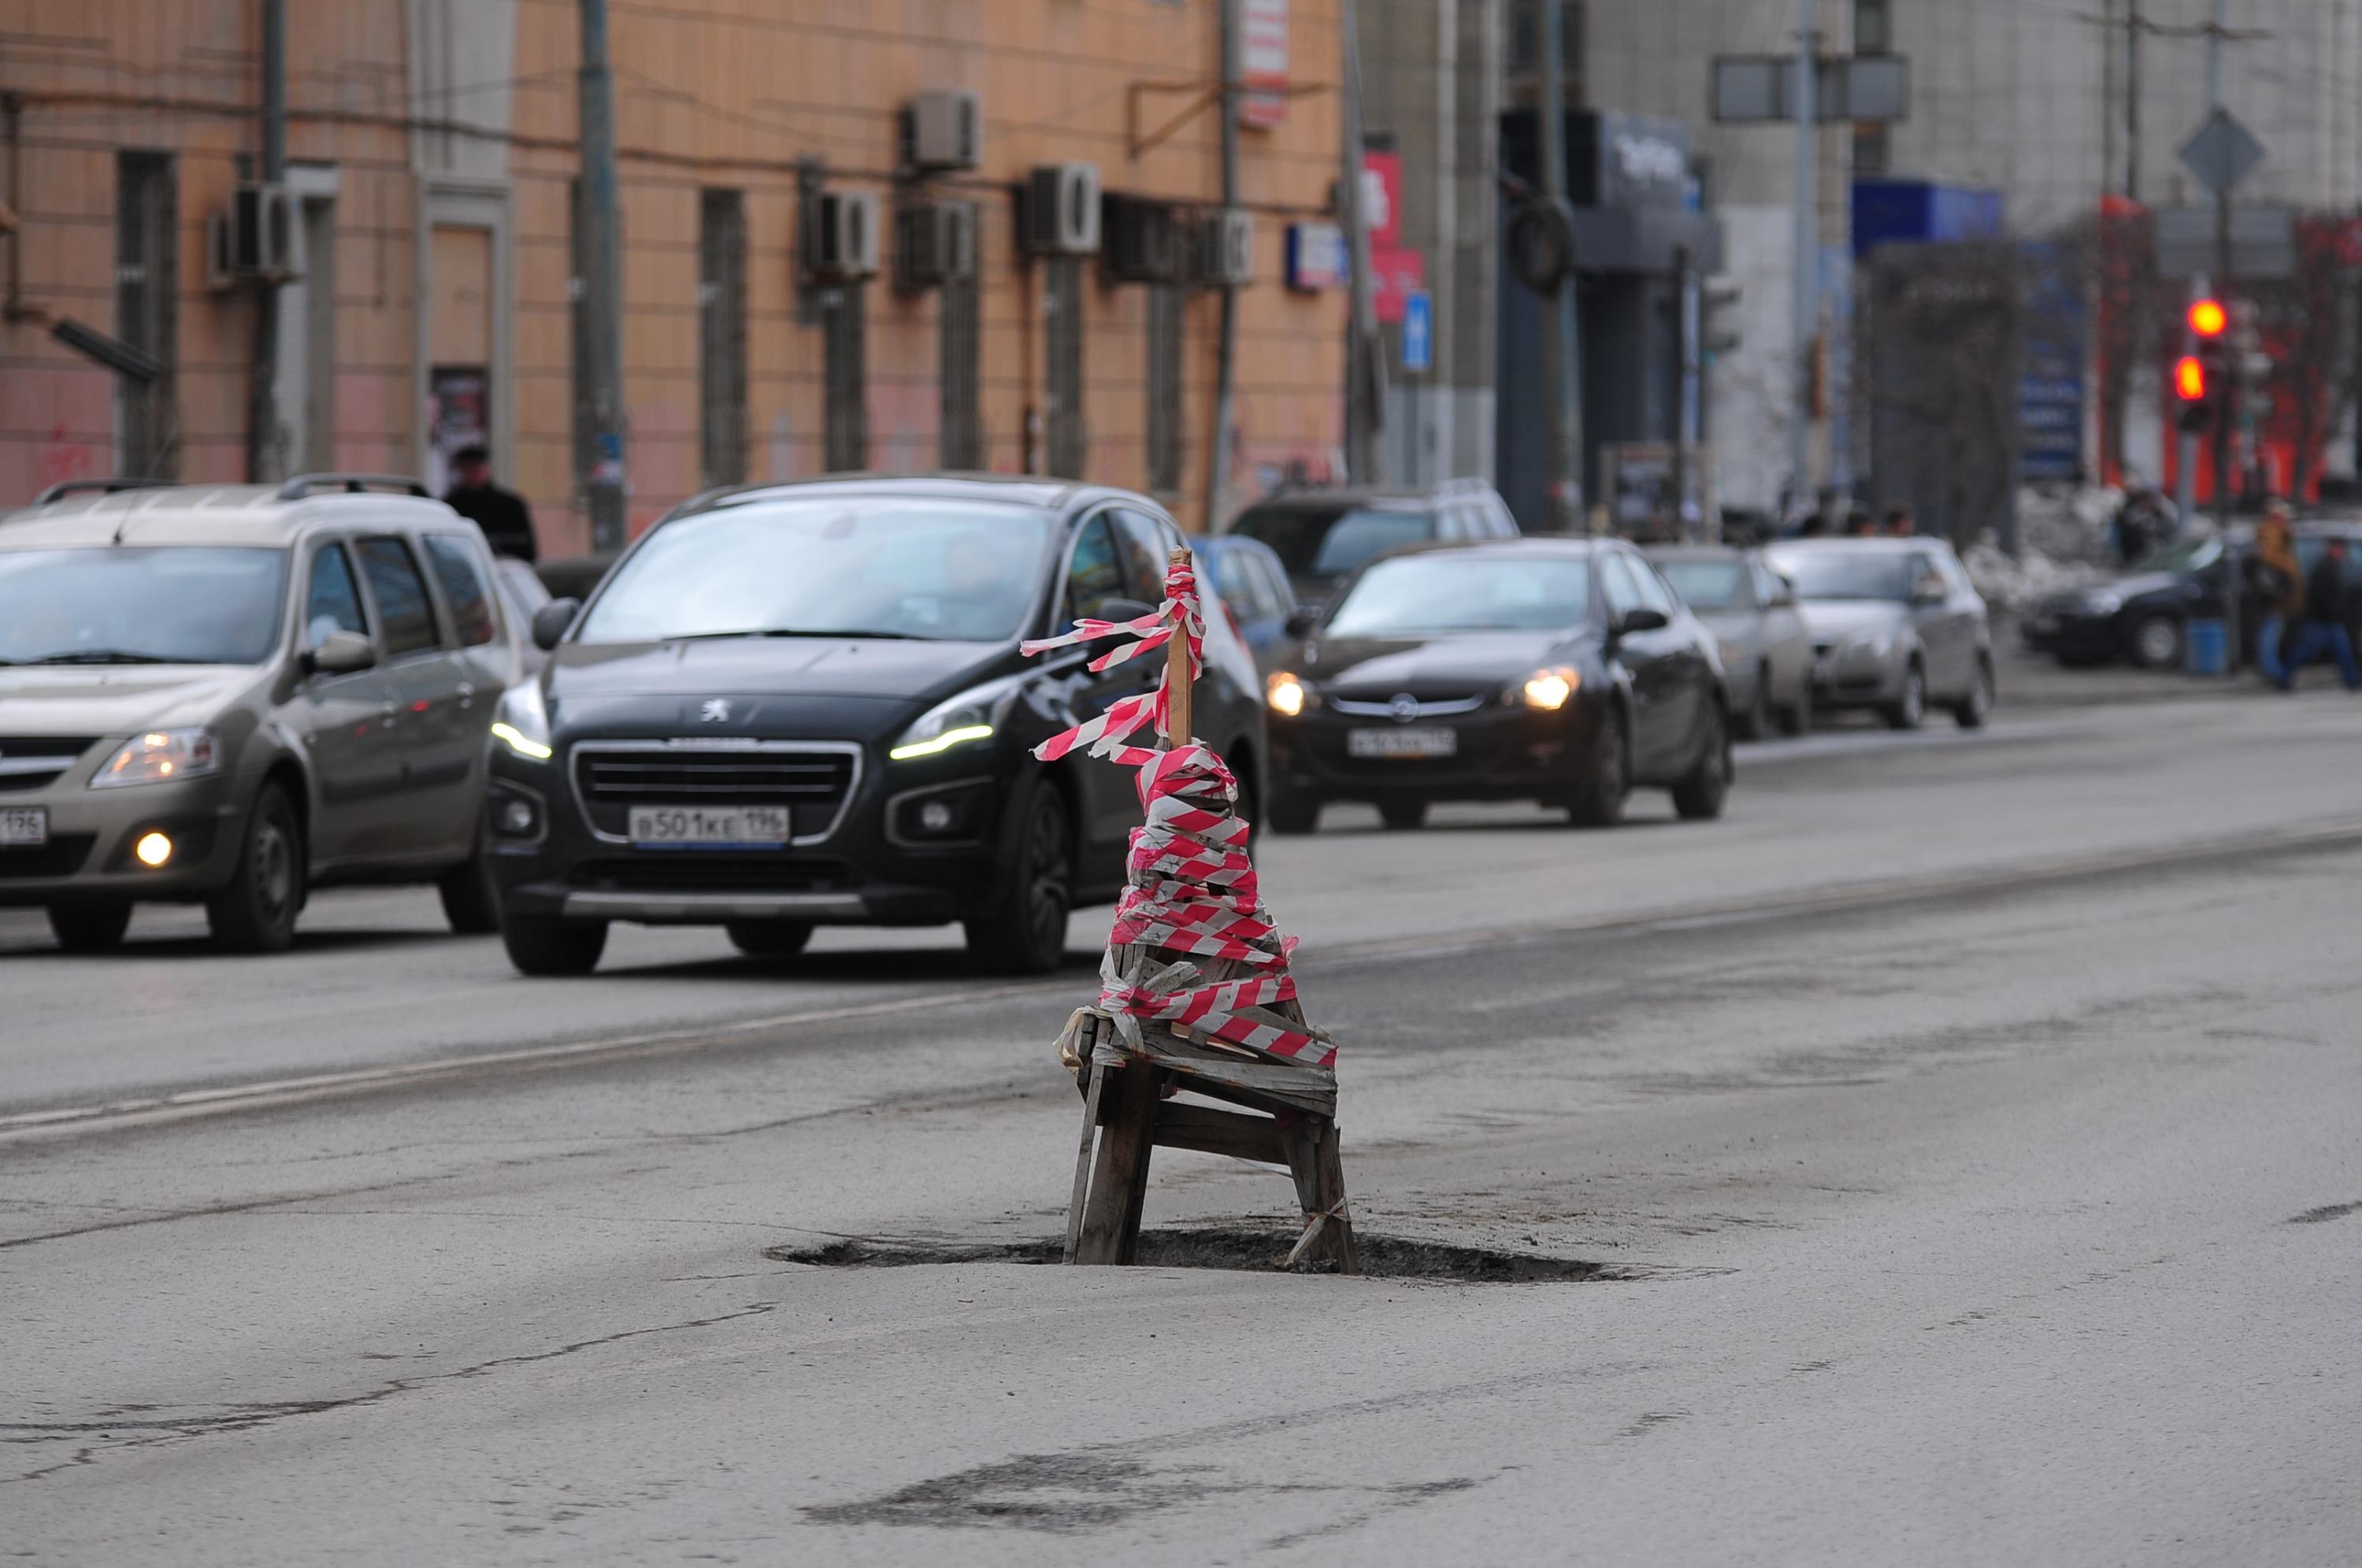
[[1097, 1081], [1120, 1178], [1320, 1171], [1332, 1200]]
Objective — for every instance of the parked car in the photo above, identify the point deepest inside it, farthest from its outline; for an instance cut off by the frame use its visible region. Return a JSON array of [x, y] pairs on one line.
[[1323, 536], [1561, 671], [521, 595], [575, 577], [1896, 627], [1767, 653], [2140, 615], [231, 695], [1246, 576], [803, 704]]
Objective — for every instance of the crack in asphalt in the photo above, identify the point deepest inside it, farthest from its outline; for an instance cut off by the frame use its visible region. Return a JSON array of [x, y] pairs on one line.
[[2326, 1211]]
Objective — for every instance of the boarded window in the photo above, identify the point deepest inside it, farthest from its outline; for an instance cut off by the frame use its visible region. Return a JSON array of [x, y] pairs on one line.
[[848, 379], [1063, 309], [722, 331], [1164, 334], [147, 280], [963, 422]]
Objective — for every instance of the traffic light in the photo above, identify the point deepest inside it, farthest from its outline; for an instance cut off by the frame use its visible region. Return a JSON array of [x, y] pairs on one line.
[[2208, 318], [2192, 384]]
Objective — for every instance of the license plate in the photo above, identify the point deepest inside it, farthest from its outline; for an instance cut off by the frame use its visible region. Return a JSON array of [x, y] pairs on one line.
[[24, 827], [710, 827], [1402, 743]]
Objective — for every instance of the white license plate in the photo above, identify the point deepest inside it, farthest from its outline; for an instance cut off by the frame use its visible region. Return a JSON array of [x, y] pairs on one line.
[[24, 827], [710, 827], [1402, 743]]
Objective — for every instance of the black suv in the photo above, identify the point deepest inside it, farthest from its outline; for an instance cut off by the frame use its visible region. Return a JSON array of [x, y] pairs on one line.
[[804, 704], [1324, 537]]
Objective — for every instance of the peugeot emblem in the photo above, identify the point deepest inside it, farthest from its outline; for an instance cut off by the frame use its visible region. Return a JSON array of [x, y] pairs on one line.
[[1405, 708], [715, 711]]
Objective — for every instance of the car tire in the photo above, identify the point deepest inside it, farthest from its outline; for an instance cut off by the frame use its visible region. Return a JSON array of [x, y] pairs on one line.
[[1909, 711], [94, 927], [470, 903], [1756, 723], [256, 912], [1403, 816], [1603, 776], [1026, 933], [2155, 643], [1797, 718], [554, 946], [1292, 816], [769, 938], [1971, 712], [1700, 797]]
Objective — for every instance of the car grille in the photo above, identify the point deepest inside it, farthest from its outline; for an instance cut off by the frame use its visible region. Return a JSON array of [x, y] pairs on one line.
[[62, 857], [687, 873], [813, 782], [27, 762], [1420, 707]]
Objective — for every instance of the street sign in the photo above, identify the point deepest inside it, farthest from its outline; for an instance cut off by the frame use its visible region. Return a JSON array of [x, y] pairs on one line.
[[2263, 242], [1418, 332], [1747, 89], [2223, 152]]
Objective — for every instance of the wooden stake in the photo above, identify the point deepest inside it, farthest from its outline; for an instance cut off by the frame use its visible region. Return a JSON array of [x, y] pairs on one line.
[[1177, 677]]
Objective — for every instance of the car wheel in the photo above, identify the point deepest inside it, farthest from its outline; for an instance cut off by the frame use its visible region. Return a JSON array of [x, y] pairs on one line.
[[470, 903], [1603, 776], [1797, 718], [1908, 711], [1756, 723], [1027, 933], [1403, 816], [1971, 710], [1292, 816], [95, 927], [769, 938], [554, 946], [1700, 797], [2155, 643], [256, 912]]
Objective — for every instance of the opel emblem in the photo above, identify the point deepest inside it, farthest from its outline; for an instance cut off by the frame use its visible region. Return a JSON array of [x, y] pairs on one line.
[[1405, 708], [715, 711]]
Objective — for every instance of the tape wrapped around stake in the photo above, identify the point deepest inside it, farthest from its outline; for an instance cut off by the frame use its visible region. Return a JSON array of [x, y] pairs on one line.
[[1192, 902]]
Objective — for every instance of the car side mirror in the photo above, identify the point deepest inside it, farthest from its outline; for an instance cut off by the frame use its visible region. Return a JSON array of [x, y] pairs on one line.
[[1785, 596], [1930, 591], [1123, 610], [1641, 619], [552, 620], [341, 653], [1302, 619]]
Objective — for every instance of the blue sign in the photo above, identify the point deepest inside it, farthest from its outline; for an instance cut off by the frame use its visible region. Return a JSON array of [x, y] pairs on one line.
[[1418, 331]]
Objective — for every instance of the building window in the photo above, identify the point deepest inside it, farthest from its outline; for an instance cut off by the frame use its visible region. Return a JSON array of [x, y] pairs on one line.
[[147, 280], [1061, 306], [721, 334], [1165, 335], [1525, 43], [1869, 150], [1872, 28], [845, 349], [959, 319]]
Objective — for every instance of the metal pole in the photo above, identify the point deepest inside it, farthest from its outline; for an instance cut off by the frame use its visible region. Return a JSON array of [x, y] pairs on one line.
[[2135, 25], [1561, 345], [602, 270], [262, 453], [1806, 261], [1219, 438], [1364, 372], [1685, 397], [2229, 402]]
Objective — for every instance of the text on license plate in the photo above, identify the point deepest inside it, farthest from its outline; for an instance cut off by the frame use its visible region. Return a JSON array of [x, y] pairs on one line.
[[25, 827], [710, 827], [1401, 743]]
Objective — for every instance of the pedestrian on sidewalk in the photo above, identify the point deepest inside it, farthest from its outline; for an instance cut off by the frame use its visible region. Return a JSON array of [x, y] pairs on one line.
[[2276, 584], [2323, 629], [1860, 525], [1900, 523], [501, 514]]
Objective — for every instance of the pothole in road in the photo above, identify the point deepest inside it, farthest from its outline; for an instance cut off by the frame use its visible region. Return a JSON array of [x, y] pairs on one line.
[[1253, 1251]]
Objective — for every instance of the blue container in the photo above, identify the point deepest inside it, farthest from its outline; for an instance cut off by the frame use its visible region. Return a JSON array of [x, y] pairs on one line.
[[2205, 648]]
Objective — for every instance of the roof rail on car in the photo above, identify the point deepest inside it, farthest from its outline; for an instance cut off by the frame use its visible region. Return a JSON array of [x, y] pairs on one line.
[[301, 485], [64, 487]]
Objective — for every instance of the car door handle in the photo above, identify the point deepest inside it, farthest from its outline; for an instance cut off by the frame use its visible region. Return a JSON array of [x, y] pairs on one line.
[[386, 711], [466, 695]]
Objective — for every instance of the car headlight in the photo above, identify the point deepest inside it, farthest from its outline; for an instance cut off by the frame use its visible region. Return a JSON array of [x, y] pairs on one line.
[[2103, 603], [161, 757], [1551, 689], [959, 721], [1877, 645], [522, 724], [1288, 695]]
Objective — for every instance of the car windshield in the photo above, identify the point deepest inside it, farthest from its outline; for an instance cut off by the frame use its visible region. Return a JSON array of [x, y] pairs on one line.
[[1708, 585], [2181, 556], [109, 604], [1428, 594], [1332, 542], [889, 567], [1845, 574]]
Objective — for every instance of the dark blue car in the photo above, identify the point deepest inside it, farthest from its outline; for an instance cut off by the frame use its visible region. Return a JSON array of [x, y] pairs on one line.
[[1246, 575]]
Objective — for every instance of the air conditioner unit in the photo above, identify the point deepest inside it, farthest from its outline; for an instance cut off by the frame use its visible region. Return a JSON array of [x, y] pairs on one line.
[[942, 129], [253, 240], [1141, 241], [840, 237], [1061, 210], [1226, 247], [934, 243]]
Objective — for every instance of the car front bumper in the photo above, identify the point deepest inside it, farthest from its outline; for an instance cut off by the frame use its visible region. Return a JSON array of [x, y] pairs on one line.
[[1857, 680], [2069, 632], [1499, 753], [91, 833]]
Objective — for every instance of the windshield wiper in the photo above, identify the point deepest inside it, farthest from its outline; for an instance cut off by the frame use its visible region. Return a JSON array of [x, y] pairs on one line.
[[104, 655], [797, 631]]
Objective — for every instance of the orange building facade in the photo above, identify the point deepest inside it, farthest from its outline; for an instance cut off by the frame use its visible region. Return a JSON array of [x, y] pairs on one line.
[[420, 259]]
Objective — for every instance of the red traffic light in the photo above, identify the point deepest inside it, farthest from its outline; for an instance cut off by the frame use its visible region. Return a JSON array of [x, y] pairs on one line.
[[2189, 377], [2208, 318]]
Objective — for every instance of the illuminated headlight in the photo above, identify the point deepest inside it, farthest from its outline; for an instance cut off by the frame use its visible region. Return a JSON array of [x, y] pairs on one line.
[[962, 721], [522, 724], [1551, 689], [154, 849], [1287, 694], [158, 757]]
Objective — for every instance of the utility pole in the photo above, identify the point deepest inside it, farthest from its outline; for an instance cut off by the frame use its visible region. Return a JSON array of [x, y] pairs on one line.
[[262, 445], [2230, 400], [1806, 263], [1685, 401], [1562, 347], [2135, 25], [1219, 439], [1365, 382], [603, 269]]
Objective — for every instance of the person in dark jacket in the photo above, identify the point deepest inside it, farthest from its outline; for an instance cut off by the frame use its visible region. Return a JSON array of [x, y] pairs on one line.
[[2323, 628], [501, 514]]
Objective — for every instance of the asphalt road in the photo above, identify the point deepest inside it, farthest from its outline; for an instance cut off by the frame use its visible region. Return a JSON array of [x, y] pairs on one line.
[[1962, 1132]]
